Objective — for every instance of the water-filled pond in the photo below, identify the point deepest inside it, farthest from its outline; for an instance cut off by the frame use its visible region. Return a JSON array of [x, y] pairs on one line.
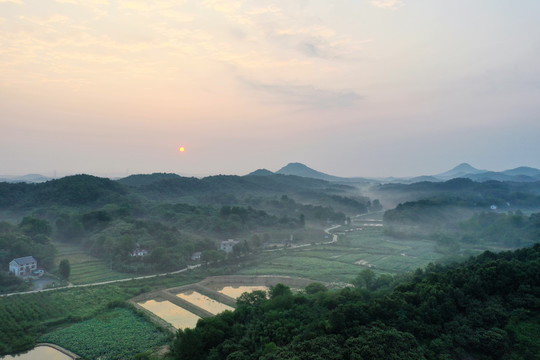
[[236, 291], [204, 302], [178, 317], [39, 353]]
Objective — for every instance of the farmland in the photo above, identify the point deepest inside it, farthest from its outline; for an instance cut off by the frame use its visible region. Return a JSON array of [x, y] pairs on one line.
[[85, 268], [24, 318], [364, 246], [116, 334]]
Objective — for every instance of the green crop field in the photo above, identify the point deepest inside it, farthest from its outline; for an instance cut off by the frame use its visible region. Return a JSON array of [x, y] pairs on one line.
[[85, 268], [117, 334], [342, 261]]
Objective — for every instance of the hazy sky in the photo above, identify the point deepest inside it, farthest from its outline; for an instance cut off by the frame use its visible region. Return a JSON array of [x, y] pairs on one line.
[[348, 87]]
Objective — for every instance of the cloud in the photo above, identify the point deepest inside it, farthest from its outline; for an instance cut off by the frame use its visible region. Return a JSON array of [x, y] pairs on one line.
[[388, 4], [223, 6], [304, 95], [20, 2], [84, 2]]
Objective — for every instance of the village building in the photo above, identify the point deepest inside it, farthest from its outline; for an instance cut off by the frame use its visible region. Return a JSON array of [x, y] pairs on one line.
[[23, 267], [227, 245], [139, 252], [196, 256]]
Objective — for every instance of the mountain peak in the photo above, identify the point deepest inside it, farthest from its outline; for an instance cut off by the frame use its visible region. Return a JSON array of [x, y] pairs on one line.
[[464, 167], [261, 172], [300, 169], [462, 170]]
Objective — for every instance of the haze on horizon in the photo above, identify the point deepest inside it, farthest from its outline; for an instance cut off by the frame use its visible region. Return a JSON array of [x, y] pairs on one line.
[[350, 88]]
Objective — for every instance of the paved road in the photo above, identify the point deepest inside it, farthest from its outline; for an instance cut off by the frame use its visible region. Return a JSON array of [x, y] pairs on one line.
[[105, 282]]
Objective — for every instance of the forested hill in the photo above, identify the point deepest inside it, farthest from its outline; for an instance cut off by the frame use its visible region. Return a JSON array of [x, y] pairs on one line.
[[163, 186], [485, 308], [73, 190], [87, 190], [468, 192]]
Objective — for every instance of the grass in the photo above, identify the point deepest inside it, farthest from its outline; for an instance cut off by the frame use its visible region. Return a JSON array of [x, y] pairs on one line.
[[85, 268]]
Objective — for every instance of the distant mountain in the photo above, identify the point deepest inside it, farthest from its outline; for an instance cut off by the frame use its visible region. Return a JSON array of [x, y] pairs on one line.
[[299, 169], [421, 179], [520, 174], [522, 170], [462, 170], [260, 172], [146, 179], [30, 178]]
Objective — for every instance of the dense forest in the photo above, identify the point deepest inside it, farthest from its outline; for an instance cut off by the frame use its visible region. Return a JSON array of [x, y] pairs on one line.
[[485, 308]]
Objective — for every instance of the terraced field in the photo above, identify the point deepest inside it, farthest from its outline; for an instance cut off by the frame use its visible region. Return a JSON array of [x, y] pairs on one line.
[[85, 268]]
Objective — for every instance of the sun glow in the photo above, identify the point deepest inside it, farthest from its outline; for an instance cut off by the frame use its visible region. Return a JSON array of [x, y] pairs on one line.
[[181, 149]]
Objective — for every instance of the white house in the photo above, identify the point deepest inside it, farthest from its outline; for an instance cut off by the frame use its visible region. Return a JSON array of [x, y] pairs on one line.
[[23, 266], [139, 252], [196, 256], [227, 245]]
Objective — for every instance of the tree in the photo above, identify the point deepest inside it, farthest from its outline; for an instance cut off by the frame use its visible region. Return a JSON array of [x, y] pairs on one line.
[[64, 268], [365, 279], [315, 287], [32, 226]]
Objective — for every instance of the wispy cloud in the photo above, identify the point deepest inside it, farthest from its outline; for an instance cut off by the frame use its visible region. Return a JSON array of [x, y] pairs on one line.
[[20, 2], [388, 4], [303, 95]]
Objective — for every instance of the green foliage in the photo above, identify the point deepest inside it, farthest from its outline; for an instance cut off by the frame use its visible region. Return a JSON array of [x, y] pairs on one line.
[[485, 308], [76, 190], [11, 283], [116, 334], [64, 269], [33, 227], [315, 287], [365, 279], [23, 318], [29, 238]]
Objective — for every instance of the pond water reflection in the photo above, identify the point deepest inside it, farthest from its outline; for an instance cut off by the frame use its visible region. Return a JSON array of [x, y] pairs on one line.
[[39, 353], [178, 317], [204, 302]]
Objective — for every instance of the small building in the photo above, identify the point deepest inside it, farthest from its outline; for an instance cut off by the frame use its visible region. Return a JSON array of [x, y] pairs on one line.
[[139, 252], [196, 256], [23, 267], [227, 245]]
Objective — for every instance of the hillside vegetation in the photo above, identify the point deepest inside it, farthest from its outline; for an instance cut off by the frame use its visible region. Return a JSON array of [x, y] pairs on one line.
[[485, 308]]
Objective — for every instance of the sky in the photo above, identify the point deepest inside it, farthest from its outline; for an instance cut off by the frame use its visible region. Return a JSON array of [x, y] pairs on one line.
[[347, 87]]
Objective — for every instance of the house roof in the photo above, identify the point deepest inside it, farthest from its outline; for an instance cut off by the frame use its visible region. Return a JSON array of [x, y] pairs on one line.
[[25, 260], [230, 241]]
